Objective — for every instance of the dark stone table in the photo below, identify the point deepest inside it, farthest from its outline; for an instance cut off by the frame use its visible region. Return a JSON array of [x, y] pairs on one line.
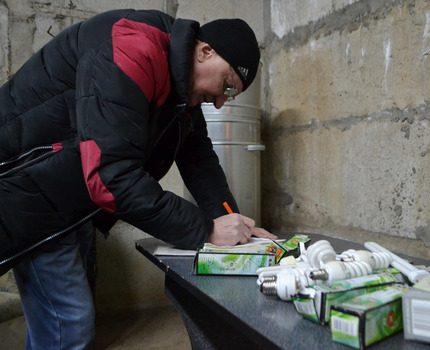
[[229, 312]]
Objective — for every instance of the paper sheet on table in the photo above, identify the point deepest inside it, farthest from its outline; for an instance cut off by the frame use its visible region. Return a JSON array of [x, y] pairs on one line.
[[166, 250], [254, 245], [254, 242]]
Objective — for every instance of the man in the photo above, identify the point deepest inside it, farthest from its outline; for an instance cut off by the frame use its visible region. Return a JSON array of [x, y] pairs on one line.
[[87, 128]]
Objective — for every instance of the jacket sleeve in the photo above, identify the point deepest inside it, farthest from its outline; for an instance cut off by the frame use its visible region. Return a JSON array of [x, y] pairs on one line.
[[112, 121], [200, 169]]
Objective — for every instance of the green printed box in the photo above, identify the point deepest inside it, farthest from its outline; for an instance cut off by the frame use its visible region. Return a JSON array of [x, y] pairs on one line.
[[212, 263], [244, 259], [368, 318], [316, 306], [291, 245], [416, 311]]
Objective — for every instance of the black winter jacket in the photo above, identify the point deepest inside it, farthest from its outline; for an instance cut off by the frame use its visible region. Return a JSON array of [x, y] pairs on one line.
[[91, 123]]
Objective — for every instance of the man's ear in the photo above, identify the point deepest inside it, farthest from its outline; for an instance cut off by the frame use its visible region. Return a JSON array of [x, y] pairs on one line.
[[204, 51]]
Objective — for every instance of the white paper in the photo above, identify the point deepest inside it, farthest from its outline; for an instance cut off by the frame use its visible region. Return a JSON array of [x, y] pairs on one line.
[[165, 250]]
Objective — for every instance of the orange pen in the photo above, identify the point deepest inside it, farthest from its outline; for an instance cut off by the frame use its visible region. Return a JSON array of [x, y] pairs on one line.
[[227, 207]]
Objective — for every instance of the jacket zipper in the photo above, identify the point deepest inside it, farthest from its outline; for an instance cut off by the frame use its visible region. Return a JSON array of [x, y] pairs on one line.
[[50, 148], [39, 148]]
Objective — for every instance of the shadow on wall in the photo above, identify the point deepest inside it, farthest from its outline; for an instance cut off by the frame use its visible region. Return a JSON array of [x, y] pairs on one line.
[[423, 233], [125, 278], [276, 200]]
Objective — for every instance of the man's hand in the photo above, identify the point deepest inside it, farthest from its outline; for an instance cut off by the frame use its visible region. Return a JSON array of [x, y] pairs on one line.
[[262, 233], [232, 229]]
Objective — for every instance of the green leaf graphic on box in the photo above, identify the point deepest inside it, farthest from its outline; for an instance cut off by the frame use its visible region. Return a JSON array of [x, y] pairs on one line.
[[382, 322], [294, 241]]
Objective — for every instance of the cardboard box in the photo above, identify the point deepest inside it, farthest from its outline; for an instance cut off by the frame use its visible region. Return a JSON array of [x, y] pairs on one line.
[[368, 318], [416, 311], [316, 306], [244, 259]]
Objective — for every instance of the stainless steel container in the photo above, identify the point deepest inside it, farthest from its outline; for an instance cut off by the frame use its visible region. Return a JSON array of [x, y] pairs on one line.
[[235, 131]]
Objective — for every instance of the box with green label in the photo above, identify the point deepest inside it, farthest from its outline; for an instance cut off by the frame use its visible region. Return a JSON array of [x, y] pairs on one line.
[[244, 259], [368, 318], [416, 311], [316, 306]]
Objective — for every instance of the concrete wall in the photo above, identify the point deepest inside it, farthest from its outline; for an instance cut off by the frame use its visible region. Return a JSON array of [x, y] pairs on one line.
[[347, 120]]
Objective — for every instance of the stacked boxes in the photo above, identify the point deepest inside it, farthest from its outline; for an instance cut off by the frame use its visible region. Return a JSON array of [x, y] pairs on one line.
[[368, 318], [416, 311], [316, 306], [244, 259]]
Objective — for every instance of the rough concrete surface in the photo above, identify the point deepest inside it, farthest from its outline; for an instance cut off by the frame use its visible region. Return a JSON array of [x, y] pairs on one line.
[[371, 175], [205, 11], [4, 45], [382, 65], [133, 330], [10, 306], [346, 120]]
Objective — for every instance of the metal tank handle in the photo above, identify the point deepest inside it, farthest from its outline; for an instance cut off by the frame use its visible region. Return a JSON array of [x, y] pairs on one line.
[[255, 148]]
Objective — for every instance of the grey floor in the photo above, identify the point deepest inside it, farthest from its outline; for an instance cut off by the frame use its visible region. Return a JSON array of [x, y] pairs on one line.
[[150, 329]]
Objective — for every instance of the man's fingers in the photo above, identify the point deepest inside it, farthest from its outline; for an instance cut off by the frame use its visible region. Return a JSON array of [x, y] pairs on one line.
[[231, 229], [262, 233], [244, 239], [248, 221]]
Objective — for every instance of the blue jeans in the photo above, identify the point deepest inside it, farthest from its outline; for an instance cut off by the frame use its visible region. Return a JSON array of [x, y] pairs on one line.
[[55, 294]]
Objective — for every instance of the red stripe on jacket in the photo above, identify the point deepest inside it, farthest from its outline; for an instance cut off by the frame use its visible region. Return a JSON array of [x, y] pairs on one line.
[[99, 193], [141, 52]]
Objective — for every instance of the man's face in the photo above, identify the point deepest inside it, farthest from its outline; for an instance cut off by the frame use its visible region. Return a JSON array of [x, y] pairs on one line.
[[210, 78]]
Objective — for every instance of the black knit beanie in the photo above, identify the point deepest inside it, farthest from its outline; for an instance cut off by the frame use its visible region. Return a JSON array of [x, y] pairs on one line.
[[234, 40]]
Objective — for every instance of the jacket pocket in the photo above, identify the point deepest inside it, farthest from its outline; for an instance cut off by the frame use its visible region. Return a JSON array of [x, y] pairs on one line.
[[27, 214]]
